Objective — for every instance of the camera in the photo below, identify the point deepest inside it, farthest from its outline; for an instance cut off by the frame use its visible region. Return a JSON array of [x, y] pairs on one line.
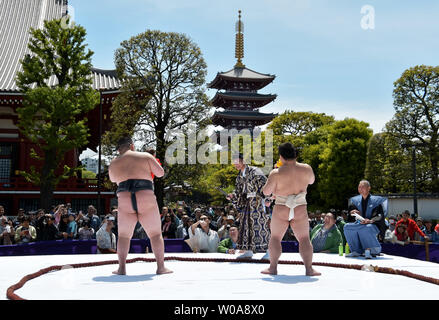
[[228, 227]]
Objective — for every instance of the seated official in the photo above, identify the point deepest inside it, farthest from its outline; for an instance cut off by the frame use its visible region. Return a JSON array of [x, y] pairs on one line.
[[368, 215]]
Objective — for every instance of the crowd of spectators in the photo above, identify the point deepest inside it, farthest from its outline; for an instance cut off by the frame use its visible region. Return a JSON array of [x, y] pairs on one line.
[[205, 229], [402, 229]]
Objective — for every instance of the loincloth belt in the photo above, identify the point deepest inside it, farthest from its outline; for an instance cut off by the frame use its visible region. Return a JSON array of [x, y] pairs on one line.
[[134, 185], [291, 201]]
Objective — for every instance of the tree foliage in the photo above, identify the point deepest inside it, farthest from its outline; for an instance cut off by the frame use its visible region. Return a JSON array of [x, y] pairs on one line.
[[163, 75], [416, 103], [52, 116]]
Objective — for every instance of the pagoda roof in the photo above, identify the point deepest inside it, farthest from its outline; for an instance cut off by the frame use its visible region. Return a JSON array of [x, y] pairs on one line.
[[243, 115], [16, 19], [241, 75], [222, 98]]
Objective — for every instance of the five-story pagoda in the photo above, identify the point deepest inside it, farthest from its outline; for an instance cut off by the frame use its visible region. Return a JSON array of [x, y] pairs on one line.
[[238, 93]]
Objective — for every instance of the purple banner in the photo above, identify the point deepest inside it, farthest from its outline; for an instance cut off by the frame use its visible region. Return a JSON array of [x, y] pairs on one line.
[[413, 251]]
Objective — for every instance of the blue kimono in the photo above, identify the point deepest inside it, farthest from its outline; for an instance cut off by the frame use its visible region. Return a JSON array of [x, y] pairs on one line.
[[364, 236]]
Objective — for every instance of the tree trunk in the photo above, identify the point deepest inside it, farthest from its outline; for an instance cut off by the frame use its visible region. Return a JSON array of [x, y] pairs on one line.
[[47, 182], [434, 161], [159, 184]]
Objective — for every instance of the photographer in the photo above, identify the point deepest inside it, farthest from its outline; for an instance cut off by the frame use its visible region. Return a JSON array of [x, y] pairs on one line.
[[86, 232], [228, 245], [25, 233], [223, 232], [60, 211], [202, 238], [183, 228], [6, 231], [105, 238], [47, 229]]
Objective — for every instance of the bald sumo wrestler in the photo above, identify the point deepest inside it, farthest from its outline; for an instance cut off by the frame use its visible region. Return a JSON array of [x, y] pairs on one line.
[[289, 184], [131, 171]]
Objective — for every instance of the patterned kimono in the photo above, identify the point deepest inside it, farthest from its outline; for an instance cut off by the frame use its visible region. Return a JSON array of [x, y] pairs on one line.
[[254, 233]]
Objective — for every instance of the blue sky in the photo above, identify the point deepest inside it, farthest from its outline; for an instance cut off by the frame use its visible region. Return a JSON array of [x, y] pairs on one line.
[[324, 61]]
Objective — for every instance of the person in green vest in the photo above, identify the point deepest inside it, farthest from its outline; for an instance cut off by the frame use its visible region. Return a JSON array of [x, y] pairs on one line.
[[326, 237], [228, 245]]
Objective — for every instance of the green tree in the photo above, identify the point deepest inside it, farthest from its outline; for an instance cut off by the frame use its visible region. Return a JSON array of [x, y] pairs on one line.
[[343, 161], [416, 102], [298, 123], [164, 77], [52, 115], [388, 166]]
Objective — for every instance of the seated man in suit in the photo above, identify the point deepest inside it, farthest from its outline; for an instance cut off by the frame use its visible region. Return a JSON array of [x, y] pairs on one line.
[[368, 213]]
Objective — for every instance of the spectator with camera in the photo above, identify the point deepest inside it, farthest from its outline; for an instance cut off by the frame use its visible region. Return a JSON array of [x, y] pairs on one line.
[[201, 237], [95, 221], [229, 245], [105, 238], [228, 222], [183, 229], [7, 232], [25, 232], [60, 211], [86, 232], [47, 229]]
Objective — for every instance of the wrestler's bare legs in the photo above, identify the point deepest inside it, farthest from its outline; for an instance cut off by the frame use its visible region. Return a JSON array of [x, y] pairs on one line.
[[278, 226], [300, 226], [149, 218], [127, 220]]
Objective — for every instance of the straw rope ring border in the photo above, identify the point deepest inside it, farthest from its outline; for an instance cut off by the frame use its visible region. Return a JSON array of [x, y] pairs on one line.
[[10, 293]]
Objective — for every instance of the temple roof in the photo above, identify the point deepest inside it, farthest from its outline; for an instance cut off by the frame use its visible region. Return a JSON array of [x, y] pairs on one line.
[[16, 19], [243, 115], [223, 99], [241, 75]]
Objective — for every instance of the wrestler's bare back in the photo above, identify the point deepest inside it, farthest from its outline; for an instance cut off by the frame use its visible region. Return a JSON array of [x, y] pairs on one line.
[[290, 179], [134, 165]]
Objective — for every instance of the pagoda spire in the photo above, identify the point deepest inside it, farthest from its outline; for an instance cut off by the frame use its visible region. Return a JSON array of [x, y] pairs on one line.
[[239, 42]]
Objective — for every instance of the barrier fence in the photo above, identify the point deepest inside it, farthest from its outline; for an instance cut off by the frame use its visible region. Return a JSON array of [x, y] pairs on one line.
[[426, 252]]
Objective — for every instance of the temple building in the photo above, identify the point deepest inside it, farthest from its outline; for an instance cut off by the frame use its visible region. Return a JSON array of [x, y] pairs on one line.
[[237, 93], [16, 19]]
